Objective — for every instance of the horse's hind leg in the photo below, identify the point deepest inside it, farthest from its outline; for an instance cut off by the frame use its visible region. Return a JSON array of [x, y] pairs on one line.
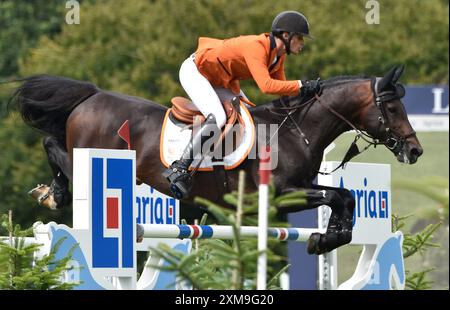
[[57, 195], [340, 224]]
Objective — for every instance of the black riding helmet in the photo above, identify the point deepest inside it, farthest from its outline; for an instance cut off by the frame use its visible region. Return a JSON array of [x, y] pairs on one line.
[[292, 22]]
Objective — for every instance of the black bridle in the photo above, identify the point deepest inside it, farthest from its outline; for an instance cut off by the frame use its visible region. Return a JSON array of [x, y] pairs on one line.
[[394, 141]]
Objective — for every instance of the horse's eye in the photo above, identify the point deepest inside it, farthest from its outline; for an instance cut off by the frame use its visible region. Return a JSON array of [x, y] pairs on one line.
[[392, 110]]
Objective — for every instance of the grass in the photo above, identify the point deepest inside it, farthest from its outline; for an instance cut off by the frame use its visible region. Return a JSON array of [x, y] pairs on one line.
[[434, 162]]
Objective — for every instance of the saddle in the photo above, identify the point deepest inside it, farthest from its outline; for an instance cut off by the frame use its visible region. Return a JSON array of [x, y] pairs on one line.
[[185, 111], [235, 143]]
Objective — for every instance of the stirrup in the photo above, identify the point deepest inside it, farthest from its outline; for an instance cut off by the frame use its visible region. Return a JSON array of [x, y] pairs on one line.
[[180, 182]]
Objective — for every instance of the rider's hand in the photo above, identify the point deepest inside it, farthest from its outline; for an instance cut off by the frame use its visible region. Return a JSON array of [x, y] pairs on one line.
[[310, 87]]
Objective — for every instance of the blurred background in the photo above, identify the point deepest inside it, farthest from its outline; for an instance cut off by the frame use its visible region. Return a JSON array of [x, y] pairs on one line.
[[137, 46]]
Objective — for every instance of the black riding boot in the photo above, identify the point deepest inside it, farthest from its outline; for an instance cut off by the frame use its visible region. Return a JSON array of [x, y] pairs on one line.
[[178, 174]]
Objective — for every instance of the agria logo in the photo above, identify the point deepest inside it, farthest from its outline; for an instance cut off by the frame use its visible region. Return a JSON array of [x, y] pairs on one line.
[[154, 207], [370, 202], [112, 213]]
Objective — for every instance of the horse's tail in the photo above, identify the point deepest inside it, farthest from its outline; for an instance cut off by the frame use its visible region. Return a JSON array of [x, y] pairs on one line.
[[45, 102]]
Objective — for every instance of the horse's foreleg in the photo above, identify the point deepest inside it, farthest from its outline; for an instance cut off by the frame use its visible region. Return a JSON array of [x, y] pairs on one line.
[[340, 224], [345, 198], [57, 195], [348, 212], [316, 197]]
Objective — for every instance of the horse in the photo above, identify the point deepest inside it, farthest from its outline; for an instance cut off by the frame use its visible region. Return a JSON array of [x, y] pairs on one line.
[[77, 114]]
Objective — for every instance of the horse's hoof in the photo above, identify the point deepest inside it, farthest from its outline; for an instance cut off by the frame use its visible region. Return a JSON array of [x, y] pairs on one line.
[[39, 191], [43, 196], [48, 201], [312, 246]]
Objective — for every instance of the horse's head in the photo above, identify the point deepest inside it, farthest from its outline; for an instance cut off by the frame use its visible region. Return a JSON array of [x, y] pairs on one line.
[[386, 120]]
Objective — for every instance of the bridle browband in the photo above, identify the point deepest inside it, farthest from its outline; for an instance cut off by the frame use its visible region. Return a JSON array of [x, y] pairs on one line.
[[395, 141]]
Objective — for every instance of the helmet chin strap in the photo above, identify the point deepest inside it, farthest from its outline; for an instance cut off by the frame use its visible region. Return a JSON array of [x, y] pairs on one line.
[[287, 43]]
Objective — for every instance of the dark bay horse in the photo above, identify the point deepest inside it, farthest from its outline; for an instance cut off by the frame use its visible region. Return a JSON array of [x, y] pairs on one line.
[[75, 114]]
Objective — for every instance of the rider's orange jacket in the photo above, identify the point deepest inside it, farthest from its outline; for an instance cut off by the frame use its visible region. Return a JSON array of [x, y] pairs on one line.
[[225, 62]]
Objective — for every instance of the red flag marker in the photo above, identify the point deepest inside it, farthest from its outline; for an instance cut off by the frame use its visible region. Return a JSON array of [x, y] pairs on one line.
[[124, 133]]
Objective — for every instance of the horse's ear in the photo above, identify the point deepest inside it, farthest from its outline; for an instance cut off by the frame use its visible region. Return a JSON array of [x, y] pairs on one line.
[[387, 79], [398, 73]]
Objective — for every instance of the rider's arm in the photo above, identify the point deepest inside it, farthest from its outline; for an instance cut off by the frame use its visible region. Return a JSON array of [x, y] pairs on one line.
[[256, 59], [279, 74]]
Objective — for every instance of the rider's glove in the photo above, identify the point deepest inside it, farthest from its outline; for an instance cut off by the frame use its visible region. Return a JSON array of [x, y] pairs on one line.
[[310, 87]]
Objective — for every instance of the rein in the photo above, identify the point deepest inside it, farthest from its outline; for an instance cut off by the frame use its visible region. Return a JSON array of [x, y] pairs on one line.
[[353, 150], [292, 110]]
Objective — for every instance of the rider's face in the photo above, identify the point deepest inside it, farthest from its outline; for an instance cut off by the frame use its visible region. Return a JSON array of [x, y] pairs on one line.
[[297, 44]]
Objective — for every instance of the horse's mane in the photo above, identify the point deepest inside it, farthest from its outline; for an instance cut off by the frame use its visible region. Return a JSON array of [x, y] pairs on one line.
[[338, 80], [328, 83]]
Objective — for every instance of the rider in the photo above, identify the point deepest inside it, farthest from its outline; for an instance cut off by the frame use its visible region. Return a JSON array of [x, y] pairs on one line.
[[211, 76]]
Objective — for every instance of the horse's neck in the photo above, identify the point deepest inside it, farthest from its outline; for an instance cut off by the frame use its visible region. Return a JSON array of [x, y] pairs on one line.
[[321, 126]]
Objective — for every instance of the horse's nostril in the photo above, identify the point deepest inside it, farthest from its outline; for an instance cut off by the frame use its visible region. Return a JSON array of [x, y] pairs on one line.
[[416, 151]]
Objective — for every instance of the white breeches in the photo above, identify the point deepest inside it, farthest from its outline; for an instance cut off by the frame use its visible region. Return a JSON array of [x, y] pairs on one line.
[[206, 98]]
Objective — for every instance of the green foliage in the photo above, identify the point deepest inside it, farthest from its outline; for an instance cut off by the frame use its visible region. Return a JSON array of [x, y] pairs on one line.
[[346, 44], [23, 165], [416, 243], [21, 24], [21, 270], [434, 188], [418, 280]]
